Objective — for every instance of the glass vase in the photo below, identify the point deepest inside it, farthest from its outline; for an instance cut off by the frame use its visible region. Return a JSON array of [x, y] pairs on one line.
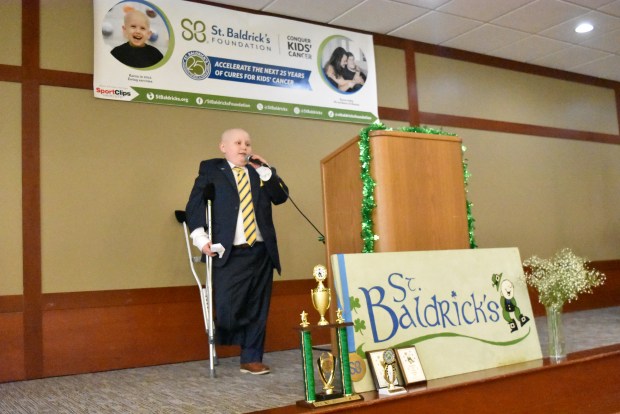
[[557, 345]]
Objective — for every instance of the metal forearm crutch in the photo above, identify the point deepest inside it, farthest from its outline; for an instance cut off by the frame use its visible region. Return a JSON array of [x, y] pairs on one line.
[[208, 295], [206, 292]]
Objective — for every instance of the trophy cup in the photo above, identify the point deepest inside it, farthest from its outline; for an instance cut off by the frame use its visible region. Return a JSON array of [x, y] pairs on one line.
[[321, 296], [327, 371]]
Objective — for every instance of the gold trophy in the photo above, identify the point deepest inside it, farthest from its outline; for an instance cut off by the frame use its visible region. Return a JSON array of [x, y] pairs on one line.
[[339, 318], [333, 368], [321, 296], [304, 319], [327, 371]]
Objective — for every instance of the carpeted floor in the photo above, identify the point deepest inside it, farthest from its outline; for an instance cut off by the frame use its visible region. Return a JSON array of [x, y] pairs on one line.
[[188, 388]]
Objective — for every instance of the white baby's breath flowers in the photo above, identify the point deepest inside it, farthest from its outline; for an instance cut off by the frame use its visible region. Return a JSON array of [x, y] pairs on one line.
[[561, 278]]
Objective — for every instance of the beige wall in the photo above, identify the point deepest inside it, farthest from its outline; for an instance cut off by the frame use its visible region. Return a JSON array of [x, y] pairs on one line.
[[542, 194], [392, 76], [112, 173], [10, 190], [10, 33], [10, 155], [62, 49], [452, 87], [538, 194]]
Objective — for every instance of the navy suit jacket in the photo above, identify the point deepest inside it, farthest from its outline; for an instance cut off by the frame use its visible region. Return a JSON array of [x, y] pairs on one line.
[[225, 206]]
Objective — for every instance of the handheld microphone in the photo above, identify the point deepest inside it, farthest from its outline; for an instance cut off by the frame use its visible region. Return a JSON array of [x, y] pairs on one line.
[[250, 158]]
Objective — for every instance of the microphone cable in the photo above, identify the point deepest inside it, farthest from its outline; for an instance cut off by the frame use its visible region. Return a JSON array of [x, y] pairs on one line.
[[321, 237]]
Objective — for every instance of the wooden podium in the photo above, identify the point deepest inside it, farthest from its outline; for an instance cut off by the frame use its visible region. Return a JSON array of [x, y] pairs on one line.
[[419, 193]]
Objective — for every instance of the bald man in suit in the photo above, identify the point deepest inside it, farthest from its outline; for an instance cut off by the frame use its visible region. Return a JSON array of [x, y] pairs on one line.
[[243, 275]]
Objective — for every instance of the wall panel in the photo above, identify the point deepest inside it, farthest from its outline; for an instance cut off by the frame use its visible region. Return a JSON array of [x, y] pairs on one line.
[[542, 194], [11, 345], [11, 194], [11, 34], [453, 87], [65, 49], [88, 332], [391, 77]]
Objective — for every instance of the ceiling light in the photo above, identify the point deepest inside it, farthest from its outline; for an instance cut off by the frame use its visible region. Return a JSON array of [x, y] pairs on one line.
[[584, 28]]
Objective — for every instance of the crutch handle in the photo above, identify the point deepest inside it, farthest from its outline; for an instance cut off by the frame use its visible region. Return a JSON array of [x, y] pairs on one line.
[[180, 215]]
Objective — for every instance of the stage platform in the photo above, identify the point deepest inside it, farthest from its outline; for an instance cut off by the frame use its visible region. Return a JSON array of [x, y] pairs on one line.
[[588, 382]]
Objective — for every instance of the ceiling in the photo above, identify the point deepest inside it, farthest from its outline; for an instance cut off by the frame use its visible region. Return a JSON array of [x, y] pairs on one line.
[[539, 32]]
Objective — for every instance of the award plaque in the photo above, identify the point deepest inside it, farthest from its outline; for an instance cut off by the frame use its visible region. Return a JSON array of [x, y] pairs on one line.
[[410, 366], [390, 373]]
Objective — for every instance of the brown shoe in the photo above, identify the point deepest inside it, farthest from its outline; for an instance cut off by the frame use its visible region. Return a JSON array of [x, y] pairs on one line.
[[255, 368]]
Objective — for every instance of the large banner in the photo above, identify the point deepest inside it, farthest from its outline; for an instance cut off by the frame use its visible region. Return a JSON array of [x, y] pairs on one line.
[[188, 54], [463, 310]]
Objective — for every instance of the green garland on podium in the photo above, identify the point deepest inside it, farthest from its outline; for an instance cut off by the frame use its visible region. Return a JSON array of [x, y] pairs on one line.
[[368, 183]]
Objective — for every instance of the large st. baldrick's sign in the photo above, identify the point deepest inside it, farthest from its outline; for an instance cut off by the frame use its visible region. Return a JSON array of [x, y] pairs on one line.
[[463, 310]]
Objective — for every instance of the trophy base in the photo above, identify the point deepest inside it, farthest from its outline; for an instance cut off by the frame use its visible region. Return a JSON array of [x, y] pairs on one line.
[[393, 391], [323, 400]]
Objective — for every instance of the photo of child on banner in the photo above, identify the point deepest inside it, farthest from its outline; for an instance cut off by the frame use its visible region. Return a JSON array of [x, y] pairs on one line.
[[136, 34], [341, 69]]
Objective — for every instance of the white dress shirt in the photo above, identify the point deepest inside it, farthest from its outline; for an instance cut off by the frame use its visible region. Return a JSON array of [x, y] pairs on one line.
[[199, 236]]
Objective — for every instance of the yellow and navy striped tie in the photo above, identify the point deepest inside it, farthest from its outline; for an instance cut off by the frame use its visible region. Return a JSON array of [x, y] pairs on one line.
[[247, 208]]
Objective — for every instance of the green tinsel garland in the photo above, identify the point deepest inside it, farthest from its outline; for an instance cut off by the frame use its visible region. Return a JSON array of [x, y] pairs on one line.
[[368, 183], [470, 217]]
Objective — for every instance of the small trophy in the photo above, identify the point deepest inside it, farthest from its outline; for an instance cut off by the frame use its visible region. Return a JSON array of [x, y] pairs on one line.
[[389, 373], [321, 296], [327, 371], [304, 319], [339, 318]]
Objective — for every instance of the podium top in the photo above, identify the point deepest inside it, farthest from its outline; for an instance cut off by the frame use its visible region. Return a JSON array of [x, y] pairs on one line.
[[394, 134], [416, 135]]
